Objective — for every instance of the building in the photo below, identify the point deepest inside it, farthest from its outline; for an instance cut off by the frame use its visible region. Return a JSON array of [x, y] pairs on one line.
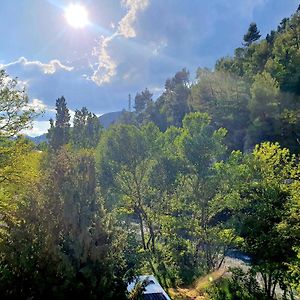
[[153, 290]]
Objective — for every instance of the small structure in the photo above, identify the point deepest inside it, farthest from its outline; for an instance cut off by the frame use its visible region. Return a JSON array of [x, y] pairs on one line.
[[153, 290]]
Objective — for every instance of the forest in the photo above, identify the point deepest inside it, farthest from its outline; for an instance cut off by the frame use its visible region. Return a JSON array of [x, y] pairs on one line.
[[175, 184]]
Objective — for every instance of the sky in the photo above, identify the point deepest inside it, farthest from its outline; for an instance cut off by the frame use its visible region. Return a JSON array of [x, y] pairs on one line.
[[126, 46]]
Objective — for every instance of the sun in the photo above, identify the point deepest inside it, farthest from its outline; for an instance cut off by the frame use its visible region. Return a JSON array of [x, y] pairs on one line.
[[76, 15]]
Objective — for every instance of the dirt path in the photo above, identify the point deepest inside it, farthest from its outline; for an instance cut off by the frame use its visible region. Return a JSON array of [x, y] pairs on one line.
[[197, 290]]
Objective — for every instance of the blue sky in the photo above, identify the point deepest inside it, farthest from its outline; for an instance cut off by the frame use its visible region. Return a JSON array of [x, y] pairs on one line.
[[127, 46]]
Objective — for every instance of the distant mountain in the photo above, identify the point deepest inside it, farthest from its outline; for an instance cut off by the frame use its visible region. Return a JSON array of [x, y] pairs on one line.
[[109, 118], [105, 120], [38, 139]]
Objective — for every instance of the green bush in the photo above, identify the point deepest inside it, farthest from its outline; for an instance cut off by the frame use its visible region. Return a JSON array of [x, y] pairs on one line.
[[240, 286]]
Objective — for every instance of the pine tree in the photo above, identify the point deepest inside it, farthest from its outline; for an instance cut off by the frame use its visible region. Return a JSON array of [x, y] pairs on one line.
[[142, 100], [283, 24], [252, 35], [271, 37], [79, 122], [59, 132], [92, 130]]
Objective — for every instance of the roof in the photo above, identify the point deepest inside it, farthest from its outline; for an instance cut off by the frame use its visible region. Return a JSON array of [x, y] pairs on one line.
[[153, 291], [154, 296]]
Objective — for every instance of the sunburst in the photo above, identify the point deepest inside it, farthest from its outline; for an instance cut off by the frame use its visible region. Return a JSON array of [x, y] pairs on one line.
[[76, 15]]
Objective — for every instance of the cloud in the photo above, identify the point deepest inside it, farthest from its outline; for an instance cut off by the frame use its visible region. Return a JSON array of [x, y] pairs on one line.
[[38, 128], [72, 114], [186, 34], [46, 68], [106, 67], [38, 105], [126, 25]]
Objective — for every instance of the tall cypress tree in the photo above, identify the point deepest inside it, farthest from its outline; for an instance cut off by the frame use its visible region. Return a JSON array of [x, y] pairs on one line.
[[59, 132], [78, 134]]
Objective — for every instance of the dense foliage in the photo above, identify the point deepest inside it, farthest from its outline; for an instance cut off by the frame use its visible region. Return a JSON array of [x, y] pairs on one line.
[[254, 95], [210, 166]]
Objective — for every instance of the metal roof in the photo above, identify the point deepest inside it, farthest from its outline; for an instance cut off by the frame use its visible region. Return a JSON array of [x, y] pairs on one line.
[[153, 290], [154, 296]]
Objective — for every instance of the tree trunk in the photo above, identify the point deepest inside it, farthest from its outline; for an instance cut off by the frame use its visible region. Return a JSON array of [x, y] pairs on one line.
[[142, 231]]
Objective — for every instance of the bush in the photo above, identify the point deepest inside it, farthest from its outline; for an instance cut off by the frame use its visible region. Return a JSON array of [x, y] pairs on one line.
[[240, 286]]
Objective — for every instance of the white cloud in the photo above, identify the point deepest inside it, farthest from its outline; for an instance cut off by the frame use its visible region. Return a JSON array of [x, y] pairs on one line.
[[72, 114], [38, 128], [23, 84], [47, 68], [126, 25], [37, 104], [106, 66]]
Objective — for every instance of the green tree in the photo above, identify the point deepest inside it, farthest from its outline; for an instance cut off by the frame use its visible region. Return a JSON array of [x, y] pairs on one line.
[[124, 164], [271, 37], [264, 102], [284, 61], [252, 35], [86, 129], [225, 98], [264, 110], [139, 179], [59, 133], [173, 103], [142, 100], [15, 113], [201, 146], [288, 230], [18, 161], [256, 193], [64, 245]]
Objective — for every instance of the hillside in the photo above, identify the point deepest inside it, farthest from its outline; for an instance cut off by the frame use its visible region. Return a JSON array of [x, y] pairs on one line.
[[255, 94], [110, 118]]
